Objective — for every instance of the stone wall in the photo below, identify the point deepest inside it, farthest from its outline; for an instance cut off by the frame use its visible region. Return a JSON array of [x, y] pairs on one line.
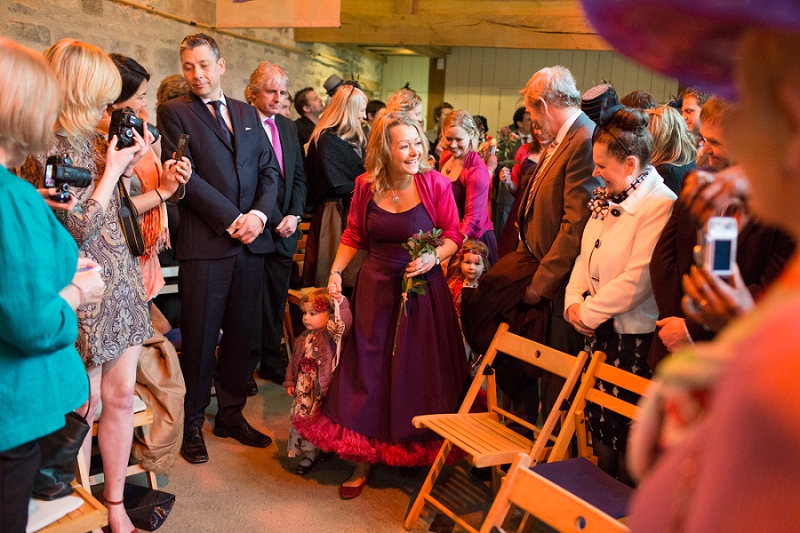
[[153, 41]]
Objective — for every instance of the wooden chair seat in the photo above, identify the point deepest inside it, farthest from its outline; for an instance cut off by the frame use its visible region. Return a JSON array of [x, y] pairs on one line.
[[88, 517], [483, 436], [540, 497]]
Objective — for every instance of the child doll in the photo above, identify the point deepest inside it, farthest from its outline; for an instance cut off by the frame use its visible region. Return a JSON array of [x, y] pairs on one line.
[[313, 360], [471, 263]]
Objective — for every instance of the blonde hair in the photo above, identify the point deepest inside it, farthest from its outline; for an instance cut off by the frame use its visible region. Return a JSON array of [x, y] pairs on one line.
[[265, 73], [90, 80], [31, 98], [403, 100], [462, 119], [716, 110], [342, 116], [674, 144], [379, 150]]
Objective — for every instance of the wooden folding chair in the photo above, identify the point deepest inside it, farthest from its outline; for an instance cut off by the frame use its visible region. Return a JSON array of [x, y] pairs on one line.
[[586, 483], [546, 501], [484, 436], [141, 418]]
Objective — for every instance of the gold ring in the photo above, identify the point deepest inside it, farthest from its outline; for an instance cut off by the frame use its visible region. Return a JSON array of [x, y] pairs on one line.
[[703, 303]]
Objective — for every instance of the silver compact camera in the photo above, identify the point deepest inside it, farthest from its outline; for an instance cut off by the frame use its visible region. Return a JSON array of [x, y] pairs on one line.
[[716, 248]]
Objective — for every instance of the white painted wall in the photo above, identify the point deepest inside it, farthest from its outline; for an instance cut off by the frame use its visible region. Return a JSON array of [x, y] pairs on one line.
[[486, 81], [399, 70]]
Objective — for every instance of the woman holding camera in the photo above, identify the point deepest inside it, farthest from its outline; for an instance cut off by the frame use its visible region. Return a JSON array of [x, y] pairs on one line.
[[150, 187], [111, 332], [41, 376], [609, 297]]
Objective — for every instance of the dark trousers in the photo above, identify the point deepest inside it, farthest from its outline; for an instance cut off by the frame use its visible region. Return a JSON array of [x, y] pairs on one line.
[[562, 336], [277, 275], [18, 467], [218, 293]]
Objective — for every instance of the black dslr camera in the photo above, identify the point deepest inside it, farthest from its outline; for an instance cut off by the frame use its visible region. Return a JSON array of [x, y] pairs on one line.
[[123, 122], [60, 174]]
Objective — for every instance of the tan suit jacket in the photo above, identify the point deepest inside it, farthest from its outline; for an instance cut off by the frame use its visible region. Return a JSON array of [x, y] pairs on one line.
[[551, 229]]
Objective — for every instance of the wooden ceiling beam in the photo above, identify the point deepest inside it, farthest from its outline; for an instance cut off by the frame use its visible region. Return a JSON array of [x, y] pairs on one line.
[[497, 32], [548, 24]]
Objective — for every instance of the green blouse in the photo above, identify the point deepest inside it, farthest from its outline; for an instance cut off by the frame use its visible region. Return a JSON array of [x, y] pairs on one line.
[[41, 375]]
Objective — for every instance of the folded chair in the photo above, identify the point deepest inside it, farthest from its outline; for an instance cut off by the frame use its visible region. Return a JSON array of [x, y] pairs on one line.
[[580, 477], [484, 435], [543, 499]]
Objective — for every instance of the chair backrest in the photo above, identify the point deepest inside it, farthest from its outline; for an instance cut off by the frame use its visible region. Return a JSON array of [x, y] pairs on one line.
[[547, 502], [551, 360], [300, 249], [617, 378]]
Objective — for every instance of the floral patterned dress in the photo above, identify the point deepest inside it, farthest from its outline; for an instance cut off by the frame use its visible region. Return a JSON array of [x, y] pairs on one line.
[[121, 319], [309, 372]]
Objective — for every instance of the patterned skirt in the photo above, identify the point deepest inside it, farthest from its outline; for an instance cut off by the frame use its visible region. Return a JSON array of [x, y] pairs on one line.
[[627, 352]]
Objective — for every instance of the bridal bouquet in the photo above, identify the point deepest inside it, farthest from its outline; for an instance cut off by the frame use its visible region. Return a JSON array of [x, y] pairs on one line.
[[418, 244]]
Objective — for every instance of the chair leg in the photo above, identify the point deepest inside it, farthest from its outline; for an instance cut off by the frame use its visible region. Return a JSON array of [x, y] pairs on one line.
[[152, 481], [288, 330], [427, 487], [82, 475]]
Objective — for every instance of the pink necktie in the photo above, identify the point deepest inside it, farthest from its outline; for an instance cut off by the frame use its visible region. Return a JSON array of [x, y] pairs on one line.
[[276, 141]]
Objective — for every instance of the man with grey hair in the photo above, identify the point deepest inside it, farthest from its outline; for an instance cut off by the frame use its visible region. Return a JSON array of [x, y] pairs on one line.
[[527, 285], [267, 90]]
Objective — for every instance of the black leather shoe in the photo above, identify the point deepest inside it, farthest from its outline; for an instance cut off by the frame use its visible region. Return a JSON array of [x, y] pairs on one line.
[[303, 469], [252, 387], [193, 448], [244, 433]]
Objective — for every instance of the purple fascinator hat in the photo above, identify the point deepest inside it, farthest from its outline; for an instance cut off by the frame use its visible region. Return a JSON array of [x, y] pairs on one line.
[[693, 40]]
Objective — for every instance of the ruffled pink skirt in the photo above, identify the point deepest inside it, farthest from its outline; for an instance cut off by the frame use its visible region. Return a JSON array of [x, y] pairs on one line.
[[348, 444]]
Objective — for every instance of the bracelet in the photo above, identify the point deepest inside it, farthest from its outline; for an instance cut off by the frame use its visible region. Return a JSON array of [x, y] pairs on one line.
[[159, 195], [80, 294], [336, 272]]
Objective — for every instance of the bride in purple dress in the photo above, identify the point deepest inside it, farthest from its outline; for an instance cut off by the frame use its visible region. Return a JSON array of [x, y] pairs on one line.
[[395, 365]]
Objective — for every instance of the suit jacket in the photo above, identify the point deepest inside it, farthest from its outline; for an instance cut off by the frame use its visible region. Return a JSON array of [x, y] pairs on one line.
[[305, 127], [229, 177], [761, 253], [291, 189], [551, 230]]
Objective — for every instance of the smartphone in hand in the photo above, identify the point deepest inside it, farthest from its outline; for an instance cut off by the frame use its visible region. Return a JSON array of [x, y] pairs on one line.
[[180, 151]]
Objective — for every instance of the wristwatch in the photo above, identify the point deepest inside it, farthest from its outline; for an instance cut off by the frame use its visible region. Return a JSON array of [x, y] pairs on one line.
[[299, 218]]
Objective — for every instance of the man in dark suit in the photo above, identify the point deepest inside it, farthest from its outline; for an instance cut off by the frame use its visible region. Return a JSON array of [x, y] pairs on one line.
[[309, 106], [221, 241], [266, 91]]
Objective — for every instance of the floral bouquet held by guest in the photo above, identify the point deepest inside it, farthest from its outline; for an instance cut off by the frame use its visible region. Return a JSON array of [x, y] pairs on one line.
[[421, 243]]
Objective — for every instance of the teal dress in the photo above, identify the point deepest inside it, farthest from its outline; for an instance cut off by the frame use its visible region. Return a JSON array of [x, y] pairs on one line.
[[42, 376]]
